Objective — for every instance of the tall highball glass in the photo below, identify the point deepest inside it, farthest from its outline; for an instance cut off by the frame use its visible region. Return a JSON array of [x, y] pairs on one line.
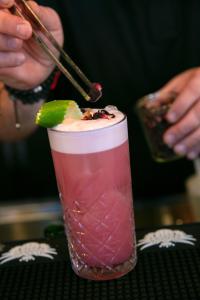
[[93, 175]]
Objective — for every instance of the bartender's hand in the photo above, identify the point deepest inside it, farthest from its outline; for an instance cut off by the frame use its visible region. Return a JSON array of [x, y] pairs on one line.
[[184, 115], [23, 64]]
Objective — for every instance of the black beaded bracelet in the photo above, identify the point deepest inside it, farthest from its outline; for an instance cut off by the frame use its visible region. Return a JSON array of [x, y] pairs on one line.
[[33, 95]]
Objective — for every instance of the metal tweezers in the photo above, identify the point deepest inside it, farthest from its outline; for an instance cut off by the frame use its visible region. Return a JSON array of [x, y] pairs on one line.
[[23, 9]]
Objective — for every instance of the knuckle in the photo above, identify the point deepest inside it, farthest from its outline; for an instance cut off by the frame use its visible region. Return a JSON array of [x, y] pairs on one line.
[[196, 113], [9, 24], [193, 140], [6, 22], [180, 129], [13, 43], [8, 43], [194, 83], [194, 143], [3, 18], [6, 3], [11, 59], [193, 86]]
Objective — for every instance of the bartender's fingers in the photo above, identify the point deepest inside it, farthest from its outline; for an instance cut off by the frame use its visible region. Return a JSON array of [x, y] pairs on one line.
[[47, 15], [186, 98], [11, 59], [189, 146], [14, 26], [187, 124], [6, 3], [8, 43], [187, 86]]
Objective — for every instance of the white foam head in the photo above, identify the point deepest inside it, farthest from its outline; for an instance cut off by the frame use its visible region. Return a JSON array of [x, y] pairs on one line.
[[89, 136]]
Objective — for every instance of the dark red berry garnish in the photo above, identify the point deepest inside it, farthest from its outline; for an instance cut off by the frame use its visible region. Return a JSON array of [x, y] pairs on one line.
[[100, 114], [96, 116], [103, 114], [97, 86]]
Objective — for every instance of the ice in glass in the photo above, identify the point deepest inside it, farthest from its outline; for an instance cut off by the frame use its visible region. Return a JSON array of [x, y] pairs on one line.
[[91, 160]]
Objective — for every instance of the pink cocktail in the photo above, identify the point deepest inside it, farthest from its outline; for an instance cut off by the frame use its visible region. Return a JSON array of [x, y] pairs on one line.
[[93, 175]]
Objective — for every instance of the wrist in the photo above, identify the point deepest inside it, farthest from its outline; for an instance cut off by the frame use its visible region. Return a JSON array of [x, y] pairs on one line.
[[36, 94]]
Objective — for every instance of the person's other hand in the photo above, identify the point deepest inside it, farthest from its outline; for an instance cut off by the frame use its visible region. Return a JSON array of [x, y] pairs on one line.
[[23, 64], [184, 114]]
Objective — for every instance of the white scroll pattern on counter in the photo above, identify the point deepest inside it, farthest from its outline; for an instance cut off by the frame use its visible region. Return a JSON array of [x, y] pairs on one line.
[[27, 252], [165, 238]]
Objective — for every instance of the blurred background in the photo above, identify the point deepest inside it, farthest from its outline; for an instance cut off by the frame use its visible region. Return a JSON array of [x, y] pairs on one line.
[[30, 218]]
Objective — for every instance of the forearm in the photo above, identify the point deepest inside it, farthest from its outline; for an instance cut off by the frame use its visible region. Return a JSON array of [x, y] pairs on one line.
[[26, 113]]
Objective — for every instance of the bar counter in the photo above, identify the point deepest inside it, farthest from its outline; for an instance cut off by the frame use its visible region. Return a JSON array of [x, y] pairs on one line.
[[165, 270]]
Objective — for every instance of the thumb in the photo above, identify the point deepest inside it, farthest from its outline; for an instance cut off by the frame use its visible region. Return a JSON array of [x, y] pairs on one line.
[[48, 16]]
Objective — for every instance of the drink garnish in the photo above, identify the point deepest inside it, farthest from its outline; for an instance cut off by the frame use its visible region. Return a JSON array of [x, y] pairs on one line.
[[54, 112], [89, 114]]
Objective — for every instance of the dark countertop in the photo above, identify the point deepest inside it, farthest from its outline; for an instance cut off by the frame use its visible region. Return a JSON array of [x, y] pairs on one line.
[[160, 274]]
